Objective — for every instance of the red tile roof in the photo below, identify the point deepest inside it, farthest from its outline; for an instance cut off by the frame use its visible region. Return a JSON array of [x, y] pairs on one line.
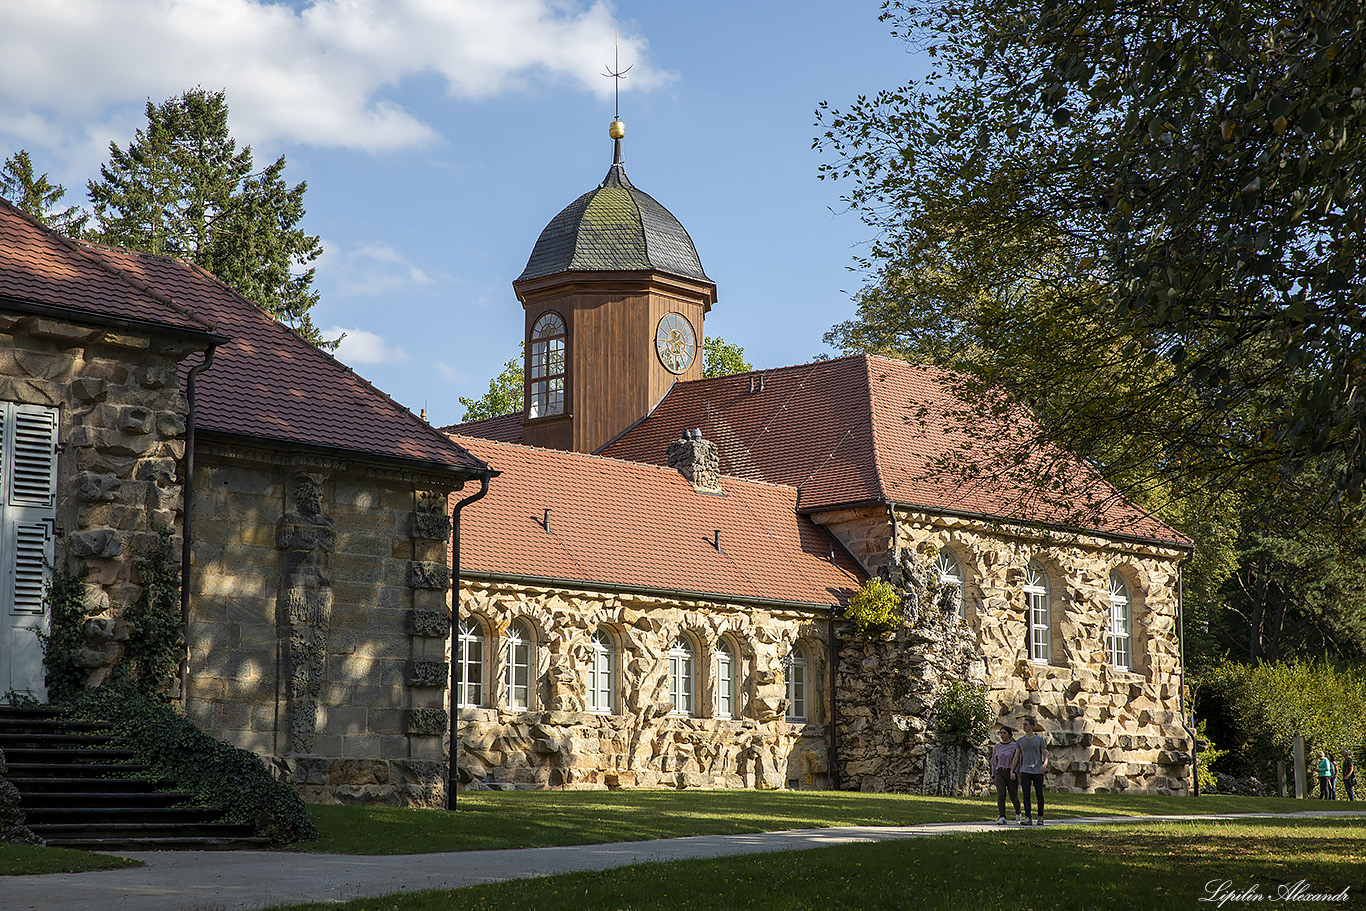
[[506, 428], [269, 383], [599, 532], [862, 429], [39, 266]]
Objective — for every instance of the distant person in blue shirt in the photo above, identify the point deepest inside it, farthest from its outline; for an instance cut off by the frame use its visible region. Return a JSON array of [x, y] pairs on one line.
[[1030, 761]]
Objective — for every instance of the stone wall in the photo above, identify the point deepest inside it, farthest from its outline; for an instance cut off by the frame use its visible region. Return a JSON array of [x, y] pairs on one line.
[[121, 429], [319, 621], [556, 743], [1108, 729]]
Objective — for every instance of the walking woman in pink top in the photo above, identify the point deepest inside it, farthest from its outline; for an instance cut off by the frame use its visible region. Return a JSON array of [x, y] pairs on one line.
[[1003, 773]]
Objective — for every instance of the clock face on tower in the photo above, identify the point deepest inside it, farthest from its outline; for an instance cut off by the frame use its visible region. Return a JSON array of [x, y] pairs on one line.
[[675, 342]]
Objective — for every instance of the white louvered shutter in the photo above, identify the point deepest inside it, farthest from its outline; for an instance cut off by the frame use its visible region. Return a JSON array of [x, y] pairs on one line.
[[31, 502], [28, 516]]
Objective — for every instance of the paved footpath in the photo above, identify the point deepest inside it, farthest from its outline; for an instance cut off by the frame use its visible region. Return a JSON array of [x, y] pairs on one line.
[[231, 880]]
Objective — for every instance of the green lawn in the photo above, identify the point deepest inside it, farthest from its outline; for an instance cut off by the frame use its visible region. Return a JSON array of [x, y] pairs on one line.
[[16, 860], [1125, 867], [524, 819]]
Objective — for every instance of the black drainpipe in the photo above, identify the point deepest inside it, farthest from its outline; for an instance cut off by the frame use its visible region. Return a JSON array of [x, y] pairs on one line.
[[452, 775], [187, 525], [830, 646]]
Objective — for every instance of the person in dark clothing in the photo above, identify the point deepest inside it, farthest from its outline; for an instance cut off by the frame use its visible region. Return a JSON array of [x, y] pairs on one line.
[[1030, 761], [1347, 771]]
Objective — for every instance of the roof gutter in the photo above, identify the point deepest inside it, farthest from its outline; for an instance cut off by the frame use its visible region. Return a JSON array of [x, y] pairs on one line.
[[453, 773], [187, 526], [612, 588], [426, 465], [995, 519], [33, 308]]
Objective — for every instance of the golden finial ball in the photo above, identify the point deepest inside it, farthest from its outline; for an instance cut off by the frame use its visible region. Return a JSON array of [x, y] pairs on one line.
[[617, 129]]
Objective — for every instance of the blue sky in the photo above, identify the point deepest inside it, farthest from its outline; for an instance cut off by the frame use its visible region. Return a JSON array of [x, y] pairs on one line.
[[438, 137]]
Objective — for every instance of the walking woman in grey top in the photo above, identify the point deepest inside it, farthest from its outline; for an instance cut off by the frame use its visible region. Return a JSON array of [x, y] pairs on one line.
[[1030, 761]]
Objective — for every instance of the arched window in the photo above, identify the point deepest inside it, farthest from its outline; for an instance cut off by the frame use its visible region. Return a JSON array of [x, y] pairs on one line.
[[951, 573], [602, 675], [519, 666], [682, 673], [1121, 620], [794, 668], [545, 367], [1040, 621], [469, 652], [725, 680]]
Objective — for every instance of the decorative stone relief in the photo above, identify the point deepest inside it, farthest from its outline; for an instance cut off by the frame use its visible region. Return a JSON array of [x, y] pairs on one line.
[[429, 575], [430, 624], [308, 538], [430, 519], [428, 722], [429, 673]]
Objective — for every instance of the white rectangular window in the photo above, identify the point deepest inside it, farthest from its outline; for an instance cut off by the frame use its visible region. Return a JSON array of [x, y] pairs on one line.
[[28, 515], [725, 681]]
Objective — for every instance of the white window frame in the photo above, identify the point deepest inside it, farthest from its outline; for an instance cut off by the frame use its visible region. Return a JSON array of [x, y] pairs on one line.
[[1039, 613], [683, 677], [469, 656], [602, 672], [546, 366], [951, 573], [1119, 639], [725, 679], [795, 667], [519, 657]]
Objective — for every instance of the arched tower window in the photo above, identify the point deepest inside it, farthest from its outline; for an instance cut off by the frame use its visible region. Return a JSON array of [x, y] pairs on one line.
[[1121, 624], [795, 670], [545, 367], [602, 675], [725, 679], [682, 674], [951, 573], [1040, 620], [519, 666], [469, 651]]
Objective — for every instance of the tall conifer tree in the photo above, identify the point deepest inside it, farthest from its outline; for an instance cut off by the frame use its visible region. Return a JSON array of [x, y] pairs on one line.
[[182, 188]]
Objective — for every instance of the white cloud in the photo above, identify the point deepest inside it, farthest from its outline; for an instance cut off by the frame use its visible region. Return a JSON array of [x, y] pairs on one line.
[[451, 374], [371, 270], [362, 347], [314, 74]]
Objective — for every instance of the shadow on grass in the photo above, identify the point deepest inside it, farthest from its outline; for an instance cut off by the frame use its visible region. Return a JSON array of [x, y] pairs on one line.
[[519, 819]]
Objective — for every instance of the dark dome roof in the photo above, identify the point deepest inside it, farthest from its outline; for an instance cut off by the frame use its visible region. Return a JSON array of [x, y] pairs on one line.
[[614, 228]]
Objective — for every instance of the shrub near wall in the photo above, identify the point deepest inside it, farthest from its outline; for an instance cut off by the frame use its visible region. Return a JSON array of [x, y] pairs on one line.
[[1256, 712]]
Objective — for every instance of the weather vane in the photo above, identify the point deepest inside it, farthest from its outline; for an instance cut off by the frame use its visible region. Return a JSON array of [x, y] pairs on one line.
[[616, 72]]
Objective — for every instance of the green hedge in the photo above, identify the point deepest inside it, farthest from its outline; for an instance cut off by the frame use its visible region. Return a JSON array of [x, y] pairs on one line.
[[219, 774], [1254, 712]]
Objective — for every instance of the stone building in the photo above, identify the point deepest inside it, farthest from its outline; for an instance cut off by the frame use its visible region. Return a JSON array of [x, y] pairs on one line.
[[651, 592], [318, 576], [1076, 625]]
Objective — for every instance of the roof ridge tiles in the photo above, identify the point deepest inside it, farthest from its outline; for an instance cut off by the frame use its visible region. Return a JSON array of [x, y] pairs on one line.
[[602, 458], [349, 371], [873, 427], [77, 247]]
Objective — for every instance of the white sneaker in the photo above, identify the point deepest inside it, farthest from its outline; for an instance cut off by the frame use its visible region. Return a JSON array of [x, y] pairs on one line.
[[1001, 821], [1029, 821], [1017, 819]]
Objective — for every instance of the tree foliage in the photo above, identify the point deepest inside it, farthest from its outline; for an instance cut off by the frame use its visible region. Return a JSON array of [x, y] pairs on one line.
[[505, 394], [721, 358], [1154, 206], [38, 196], [183, 188]]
